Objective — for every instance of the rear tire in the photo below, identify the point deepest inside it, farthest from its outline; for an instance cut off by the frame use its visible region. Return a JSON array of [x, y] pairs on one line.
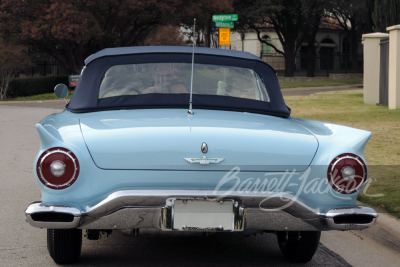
[[298, 247], [64, 245]]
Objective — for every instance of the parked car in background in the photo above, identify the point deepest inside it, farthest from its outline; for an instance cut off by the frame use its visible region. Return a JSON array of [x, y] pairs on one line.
[[128, 154]]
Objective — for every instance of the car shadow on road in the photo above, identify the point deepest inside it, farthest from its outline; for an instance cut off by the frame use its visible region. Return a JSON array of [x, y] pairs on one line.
[[215, 250]]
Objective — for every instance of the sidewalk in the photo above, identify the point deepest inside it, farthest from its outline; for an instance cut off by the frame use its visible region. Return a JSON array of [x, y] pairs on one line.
[[33, 101], [313, 90], [380, 241]]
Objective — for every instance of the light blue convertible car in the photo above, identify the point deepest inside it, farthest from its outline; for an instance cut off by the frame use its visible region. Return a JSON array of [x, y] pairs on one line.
[[153, 143]]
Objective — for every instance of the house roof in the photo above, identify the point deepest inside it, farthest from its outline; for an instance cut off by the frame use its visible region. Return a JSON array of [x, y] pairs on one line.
[[330, 24], [326, 23]]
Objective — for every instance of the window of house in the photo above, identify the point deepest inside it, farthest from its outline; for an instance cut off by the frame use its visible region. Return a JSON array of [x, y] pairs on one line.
[[346, 46], [266, 49]]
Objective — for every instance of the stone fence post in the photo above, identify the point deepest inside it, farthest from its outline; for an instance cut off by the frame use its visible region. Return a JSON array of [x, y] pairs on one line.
[[394, 67], [372, 61]]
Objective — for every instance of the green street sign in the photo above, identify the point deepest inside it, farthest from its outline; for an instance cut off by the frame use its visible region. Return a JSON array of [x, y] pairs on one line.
[[228, 24], [222, 18]]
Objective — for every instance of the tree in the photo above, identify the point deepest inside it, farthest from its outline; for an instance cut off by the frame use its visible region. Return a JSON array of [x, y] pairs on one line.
[[165, 35], [314, 10], [353, 18], [370, 24], [61, 29], [127, 22], [285, 16], [72, 30], [12, 60], [386, 13]]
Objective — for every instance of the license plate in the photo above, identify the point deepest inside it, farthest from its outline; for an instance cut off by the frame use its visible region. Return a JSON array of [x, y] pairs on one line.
[[202, 215]]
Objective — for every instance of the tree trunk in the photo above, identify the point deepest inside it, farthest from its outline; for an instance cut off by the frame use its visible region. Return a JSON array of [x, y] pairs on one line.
[[312, 53], [207, 35], [5, 81], [70, 58], [290, 56], [354, 52], [73, 59], [290, 64], [311, 64], [74, 66]]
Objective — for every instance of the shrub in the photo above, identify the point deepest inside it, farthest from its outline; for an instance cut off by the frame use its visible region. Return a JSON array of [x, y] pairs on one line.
[[35, 85]]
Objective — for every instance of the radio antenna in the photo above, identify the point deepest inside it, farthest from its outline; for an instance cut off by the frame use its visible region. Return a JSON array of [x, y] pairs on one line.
[[190, 111]]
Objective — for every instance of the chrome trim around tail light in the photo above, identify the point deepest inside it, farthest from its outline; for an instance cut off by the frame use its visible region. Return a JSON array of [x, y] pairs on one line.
[[331, 173], [65, 152]]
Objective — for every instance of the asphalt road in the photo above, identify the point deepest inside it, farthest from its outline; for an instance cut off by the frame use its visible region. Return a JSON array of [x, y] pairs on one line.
[[23, 245]]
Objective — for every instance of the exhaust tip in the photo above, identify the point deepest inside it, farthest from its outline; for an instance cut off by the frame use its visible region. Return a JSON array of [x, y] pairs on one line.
[[353, 219], [52, 217]]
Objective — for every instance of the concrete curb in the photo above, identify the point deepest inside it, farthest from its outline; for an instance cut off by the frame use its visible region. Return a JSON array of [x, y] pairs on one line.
[[353, 86], [386, 231]]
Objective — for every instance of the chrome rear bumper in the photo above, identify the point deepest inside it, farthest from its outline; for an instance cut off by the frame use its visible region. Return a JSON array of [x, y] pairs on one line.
[[132, 209]]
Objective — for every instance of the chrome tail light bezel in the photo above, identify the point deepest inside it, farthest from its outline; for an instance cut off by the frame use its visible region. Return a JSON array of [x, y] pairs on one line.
[[69, 156], [333, 173]]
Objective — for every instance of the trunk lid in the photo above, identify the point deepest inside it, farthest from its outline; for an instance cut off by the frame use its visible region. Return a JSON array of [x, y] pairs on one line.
[[161, 139]]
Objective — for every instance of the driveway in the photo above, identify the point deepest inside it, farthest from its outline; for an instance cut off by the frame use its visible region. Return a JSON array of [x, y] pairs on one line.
[[23, 245]]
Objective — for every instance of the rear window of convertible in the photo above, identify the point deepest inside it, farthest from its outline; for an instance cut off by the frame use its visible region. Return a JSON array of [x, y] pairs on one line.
[[175, 78]]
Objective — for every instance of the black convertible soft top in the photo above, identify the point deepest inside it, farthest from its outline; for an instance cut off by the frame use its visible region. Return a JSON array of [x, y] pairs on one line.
[[85, 97]]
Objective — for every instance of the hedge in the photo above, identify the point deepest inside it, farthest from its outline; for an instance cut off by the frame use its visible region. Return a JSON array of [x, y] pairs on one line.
[[35, 85]]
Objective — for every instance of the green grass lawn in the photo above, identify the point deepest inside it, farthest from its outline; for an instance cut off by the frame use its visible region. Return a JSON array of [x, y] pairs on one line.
[[322, 83], [383, 150], [49, 96]]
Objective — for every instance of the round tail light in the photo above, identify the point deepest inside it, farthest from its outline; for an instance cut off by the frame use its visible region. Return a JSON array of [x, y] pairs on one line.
[[57, 168], [347, 173]]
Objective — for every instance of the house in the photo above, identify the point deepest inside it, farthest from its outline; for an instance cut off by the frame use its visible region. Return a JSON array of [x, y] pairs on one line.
[[332, 47]]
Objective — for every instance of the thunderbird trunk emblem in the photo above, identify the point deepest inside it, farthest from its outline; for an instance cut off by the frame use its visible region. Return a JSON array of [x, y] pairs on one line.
[[204, 160]]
